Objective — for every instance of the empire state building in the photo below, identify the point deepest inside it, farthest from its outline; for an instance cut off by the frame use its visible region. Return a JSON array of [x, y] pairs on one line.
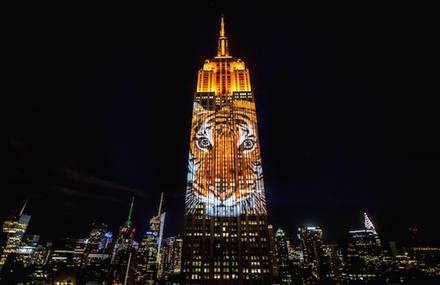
[[226, 238]]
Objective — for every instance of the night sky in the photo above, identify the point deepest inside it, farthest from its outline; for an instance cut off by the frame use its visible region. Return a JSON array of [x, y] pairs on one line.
[[99, 105]]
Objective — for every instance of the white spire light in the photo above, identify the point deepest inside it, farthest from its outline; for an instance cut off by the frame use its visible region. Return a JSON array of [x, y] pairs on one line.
[[368, 224]]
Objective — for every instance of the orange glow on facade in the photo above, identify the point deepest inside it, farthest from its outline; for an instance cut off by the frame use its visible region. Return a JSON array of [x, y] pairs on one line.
[[226, 237], [225, 173]]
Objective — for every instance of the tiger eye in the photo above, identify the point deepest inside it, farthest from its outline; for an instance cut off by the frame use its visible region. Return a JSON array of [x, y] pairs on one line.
[[248, 144], [203, 143]]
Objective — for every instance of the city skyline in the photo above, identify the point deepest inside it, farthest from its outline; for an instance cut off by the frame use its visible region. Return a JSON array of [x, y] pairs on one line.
[[308, 259], [97, 136]]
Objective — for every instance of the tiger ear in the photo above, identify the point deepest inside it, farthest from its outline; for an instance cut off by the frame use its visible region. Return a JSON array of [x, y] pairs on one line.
[[198, 108]]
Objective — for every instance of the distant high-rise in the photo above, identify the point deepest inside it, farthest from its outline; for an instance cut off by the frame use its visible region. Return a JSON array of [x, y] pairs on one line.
[[364, 249], [156, 226], [122, 256], [124, 241], [226, 238], [98, 251], [317, 256], [13, 228], [26, 249], [284, 264], [68, 253], [311, 241], [148, 256], [364, 242], [172, 255], [146, 259]]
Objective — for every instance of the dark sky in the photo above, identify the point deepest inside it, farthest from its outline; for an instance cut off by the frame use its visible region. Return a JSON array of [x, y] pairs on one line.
[[99, 105]]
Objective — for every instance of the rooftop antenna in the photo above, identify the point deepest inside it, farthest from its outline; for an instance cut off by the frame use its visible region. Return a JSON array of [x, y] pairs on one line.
[[223, 49], [160, 204], [24, 206], [128, 222]]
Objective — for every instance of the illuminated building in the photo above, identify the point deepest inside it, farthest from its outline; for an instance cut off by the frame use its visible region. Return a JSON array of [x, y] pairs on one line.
[[98, 252], [124, 242], [41, 255], [311, 242], [156, 226], [97, 240], [148, 256], [14, 228], [284, 265], [146, 259], [172, 255], [310, 239], [68, 253], [26, 249], [226, 230], [122, 256], [317, 257], [364, 253], [427, 259]]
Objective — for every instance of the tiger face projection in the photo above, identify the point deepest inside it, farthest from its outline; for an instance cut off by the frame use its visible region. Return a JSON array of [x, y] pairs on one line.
[[225, 173]]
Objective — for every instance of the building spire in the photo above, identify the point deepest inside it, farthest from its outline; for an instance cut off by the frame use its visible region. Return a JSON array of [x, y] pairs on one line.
[[160, 204], [24, 207], [128, 222], [223, 49], [368, 224], [222, 28]]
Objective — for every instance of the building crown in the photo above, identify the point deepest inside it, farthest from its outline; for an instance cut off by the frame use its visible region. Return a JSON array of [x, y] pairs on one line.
[[223, 49]]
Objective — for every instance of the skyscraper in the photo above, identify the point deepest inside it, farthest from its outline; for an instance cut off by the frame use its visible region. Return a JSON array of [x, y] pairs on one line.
[[311, 244], [14, 228], [172, 255], [364, 250], [284, 264], [226, 231], [123, 251], [124, 242], [148, 257], [156, 226]]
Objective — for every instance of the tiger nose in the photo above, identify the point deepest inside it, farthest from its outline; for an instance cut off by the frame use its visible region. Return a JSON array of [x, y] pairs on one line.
[[224, 189], [222, 196]]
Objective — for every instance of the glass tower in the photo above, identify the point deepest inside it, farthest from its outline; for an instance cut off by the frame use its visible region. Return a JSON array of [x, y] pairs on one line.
[[226, 236]]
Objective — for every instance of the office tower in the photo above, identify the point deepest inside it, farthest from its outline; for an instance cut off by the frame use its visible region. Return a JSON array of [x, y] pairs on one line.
[[98, 253], [97, 238], [311, 241], [225, 226], [172, 255], [14, 228], [26, 249], [316, 256], [364, 243], [40, 256], [427, 259], [284, 264], [364, 252], [146, 259], [122, 256], [68, 253], [156, 226], [124, 241]]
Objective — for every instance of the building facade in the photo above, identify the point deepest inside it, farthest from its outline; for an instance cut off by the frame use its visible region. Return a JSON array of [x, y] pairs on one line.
[[364, 255], [226, 237], [13, 230], [283, 259]]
